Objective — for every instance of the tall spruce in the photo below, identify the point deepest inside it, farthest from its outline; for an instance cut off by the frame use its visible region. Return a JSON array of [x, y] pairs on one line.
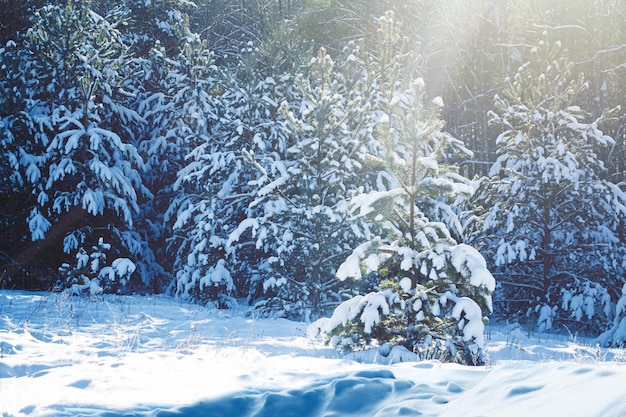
[[193, 144], [72, 137], [303, 193]]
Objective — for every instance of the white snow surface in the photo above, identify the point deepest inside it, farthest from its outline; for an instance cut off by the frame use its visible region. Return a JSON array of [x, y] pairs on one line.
[[158, 356]]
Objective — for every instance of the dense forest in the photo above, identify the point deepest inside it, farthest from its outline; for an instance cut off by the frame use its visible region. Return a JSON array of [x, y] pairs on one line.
[[301, 153]]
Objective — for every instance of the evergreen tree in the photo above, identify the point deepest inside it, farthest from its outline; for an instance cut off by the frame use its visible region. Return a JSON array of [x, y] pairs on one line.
[[552, 221], [175, 99], [261, 81], [303, 194], [192, 146], [16, 18], [71, 128], [151, 23], [91, 273], [215, 214], [431, 291], [615, 335], [12, 194], [229, 25]]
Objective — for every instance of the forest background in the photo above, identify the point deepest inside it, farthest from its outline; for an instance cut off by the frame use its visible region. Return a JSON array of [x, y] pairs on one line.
[[220, 150]]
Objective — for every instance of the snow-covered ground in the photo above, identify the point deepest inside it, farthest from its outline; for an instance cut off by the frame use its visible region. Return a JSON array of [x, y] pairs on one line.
[[146, 356]]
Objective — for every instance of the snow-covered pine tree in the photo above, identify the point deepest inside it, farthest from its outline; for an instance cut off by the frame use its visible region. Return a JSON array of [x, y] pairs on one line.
[[552, 220], [261, 80], [191, 130], [172, 88], [215, 218], [302, 193], [12, 193], [152, 22], [615, 335], [432, 292], [74, 131]]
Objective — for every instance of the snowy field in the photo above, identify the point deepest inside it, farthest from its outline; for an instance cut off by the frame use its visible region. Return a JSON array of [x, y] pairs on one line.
[[156, 356]]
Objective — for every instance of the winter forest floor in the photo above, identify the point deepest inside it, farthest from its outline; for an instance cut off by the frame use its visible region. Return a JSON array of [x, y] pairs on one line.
[[157, 356]]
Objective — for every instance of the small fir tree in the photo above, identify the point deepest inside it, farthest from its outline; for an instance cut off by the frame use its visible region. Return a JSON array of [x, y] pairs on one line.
[[216, 217], [432, 292], [92, 274]]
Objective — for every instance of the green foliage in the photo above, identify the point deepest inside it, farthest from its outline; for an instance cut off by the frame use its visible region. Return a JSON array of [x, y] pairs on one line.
[[92, 274], [553, 223], [92, 90], [425, 320], [303, 189], [433, 291]]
